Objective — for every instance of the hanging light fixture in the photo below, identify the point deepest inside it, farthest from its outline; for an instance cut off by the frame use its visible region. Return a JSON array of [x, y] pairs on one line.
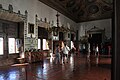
[[57, 15], [56, 29]]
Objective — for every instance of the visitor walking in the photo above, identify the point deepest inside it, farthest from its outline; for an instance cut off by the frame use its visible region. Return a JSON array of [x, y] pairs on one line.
[[57, 54], [66, 50]]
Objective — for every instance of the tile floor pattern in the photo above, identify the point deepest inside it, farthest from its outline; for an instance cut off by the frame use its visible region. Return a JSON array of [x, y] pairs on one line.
[[77, 69]]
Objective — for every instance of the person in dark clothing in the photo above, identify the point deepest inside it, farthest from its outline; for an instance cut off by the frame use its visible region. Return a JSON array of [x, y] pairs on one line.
[[57, 54]]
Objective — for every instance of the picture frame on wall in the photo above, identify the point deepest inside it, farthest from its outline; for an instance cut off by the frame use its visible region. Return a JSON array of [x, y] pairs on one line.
[[55, 32], [68, 35], [30, 28]]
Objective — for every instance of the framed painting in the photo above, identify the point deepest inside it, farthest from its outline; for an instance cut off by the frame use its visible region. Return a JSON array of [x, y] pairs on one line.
[[55, 31], [30, 28]]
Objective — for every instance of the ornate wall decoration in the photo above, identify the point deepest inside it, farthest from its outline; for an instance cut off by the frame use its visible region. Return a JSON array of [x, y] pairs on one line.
[[75, 9], [70, 3], [96, 30], [61, 0], [30, 28], [106, 8], [81, 13], [81, 10], [93, 9], [90, 1], [108, 1], [10, 8]]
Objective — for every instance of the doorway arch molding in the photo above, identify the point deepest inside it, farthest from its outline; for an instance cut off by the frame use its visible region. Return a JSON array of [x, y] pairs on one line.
[[96, 30]]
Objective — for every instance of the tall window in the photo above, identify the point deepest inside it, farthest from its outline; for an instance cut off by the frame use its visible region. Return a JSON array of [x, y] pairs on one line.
[[39, 43], [11, 45], [18, 44], [45, 45], [1, 46]]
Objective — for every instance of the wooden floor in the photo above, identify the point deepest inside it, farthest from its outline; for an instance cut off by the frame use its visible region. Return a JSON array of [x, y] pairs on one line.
[[78, 68]]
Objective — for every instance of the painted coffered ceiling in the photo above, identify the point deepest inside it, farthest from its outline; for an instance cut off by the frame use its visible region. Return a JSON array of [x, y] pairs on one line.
[[82, 10]]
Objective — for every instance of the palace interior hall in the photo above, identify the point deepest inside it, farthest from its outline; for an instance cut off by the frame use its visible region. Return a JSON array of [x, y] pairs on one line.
[[59, 40]]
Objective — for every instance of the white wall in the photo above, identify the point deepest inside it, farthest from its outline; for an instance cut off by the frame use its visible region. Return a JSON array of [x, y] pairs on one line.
[[36, 7], [106, 23]]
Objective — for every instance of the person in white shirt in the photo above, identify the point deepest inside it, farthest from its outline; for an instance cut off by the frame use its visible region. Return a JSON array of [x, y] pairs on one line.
[[21, 50], [66, 50], [97, 51], [88, 55]]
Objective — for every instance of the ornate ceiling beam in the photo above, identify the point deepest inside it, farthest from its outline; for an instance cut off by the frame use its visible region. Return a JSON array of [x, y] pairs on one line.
[[82, 10]]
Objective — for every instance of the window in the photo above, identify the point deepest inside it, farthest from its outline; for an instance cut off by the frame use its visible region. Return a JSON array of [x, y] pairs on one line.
[[39, 43], [45, 45], [11, 45], [1, 46], [18, 44]]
